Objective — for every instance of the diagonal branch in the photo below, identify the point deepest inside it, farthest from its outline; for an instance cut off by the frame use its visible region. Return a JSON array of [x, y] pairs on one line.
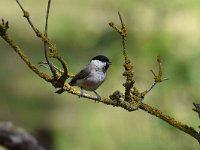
[[3, 29], [59, 80], [52, 48], [26, 15], [183, 127]]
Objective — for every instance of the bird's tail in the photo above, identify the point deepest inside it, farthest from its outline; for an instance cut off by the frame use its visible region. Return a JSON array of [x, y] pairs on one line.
[[72, 83], [60, 91]]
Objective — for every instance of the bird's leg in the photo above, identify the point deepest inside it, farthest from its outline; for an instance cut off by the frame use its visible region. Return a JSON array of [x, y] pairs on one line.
[[81, 93], [98, 96]]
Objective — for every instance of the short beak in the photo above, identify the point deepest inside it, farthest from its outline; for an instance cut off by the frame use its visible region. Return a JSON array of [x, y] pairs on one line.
[[109, 63]]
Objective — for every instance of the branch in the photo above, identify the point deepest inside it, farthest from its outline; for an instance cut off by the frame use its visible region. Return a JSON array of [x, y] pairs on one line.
[[157, 78], [53, 71], [137, 97], [131, 100], [128, 73], [57, 81], [16, 138], [183, 127], [43, 64], [3, 33]]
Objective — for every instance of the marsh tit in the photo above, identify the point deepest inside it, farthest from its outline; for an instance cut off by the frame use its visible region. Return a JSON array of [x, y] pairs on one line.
[[92, 76]]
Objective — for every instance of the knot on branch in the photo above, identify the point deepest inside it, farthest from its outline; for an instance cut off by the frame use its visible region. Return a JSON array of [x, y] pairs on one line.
[[116, 97], [122, 31], [119, 100], [139, 96], [26, 14], [3, 27], [53, 53], [127, 65], [38, 33]]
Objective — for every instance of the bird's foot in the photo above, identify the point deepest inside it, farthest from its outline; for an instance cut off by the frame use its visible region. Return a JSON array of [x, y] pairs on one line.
[[98, 96], [81, 94]]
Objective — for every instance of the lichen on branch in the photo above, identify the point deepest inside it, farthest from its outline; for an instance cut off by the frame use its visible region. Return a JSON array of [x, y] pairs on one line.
[[128, 73], [131, 99]]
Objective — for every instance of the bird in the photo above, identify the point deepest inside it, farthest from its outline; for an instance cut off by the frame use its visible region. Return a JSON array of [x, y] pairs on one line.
[[91, 76]]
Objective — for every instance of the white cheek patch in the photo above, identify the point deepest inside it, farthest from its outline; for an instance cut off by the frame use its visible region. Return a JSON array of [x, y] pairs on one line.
[[99, 65]]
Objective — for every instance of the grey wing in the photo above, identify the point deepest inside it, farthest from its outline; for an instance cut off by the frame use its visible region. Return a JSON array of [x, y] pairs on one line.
[[82, 74]]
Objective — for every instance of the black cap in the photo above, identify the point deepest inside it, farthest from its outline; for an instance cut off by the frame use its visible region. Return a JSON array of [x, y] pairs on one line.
[[102, 58]]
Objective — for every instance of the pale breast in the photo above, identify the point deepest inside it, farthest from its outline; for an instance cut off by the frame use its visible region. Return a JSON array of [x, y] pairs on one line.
[[93, 81]]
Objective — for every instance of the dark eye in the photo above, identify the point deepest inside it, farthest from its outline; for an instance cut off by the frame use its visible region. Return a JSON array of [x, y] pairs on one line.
[[105, 67]]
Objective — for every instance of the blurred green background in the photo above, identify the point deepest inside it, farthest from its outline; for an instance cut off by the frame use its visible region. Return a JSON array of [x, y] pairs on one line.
[[80, 31]]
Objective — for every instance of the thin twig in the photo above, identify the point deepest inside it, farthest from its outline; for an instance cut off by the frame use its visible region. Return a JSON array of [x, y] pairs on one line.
[[151, 87], [64, 75], [26, 15], [120, 17], [47, 16], [45, 44], [123, 34], [37, 32], [41, 63], [157, 78]]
